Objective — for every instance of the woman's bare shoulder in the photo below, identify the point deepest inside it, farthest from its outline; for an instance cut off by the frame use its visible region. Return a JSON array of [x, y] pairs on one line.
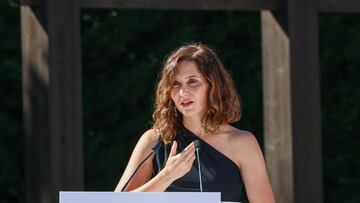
[[150, 136], [240, 137], [242, 143]]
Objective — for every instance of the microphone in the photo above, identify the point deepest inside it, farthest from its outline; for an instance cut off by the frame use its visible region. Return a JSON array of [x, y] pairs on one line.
[[197, 148], [154, 149]]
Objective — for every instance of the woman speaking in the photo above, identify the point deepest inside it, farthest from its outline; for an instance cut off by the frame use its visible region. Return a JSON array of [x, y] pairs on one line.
[[199, 150]]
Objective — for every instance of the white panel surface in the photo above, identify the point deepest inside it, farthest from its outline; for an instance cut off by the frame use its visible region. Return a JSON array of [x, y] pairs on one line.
[[139, 197]]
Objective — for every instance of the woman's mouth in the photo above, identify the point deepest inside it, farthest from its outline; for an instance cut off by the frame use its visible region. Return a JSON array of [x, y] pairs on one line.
[[186, 104]]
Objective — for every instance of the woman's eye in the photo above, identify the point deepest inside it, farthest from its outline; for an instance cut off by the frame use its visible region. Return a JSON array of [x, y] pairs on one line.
[[176, 85], [193, 82]]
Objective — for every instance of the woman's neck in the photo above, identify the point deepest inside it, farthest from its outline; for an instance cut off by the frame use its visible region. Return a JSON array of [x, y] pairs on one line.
[[194, 125]]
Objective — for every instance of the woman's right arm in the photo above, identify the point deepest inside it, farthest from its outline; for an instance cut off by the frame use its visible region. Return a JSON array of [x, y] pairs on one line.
[[176, 166]]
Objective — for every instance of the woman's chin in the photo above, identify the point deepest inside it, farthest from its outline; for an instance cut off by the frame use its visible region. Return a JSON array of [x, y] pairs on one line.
[[189, 114]]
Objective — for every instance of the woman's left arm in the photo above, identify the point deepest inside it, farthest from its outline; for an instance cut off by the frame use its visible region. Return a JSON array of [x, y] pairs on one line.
[[253, 170]]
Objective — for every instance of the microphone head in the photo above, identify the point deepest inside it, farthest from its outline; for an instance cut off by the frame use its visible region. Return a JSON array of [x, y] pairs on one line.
[[155, 148], [197, 144]]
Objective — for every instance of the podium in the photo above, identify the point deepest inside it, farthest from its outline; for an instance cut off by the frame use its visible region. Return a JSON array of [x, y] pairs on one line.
[[139, 197]]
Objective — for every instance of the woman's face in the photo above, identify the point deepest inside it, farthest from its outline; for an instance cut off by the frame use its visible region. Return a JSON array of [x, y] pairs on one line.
[[189, 91]]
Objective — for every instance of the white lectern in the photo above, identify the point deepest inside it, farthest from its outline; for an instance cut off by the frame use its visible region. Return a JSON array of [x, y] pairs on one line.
[[139, 197]]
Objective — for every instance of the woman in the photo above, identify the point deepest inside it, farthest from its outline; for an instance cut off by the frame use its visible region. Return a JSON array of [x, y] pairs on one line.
[[196, 100]]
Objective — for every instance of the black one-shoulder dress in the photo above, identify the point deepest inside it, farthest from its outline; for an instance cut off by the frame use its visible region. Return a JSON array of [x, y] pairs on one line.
[[219, 173]]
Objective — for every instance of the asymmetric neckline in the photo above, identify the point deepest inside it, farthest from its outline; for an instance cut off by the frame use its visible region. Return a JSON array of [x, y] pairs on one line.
[[218, 172], [210, 146]]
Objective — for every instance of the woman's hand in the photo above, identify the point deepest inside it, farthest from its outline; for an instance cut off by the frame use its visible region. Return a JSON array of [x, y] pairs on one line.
[[179, 164]]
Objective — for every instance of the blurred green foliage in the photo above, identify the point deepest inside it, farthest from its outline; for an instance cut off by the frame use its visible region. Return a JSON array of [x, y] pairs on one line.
[[11, 124], [340, 83], [122, 53]]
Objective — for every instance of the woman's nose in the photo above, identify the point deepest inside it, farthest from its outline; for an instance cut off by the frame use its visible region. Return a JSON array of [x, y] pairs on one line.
[[183, 91]]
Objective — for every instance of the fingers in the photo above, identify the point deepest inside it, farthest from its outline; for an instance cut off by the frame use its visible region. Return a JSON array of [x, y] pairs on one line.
[[190, 146], [186, 155], [173, 149], [179, 164], [190, 149], [191, 157]]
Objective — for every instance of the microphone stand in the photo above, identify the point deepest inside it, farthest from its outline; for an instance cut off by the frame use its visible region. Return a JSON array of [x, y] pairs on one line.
[[197, 148], [154, 149]]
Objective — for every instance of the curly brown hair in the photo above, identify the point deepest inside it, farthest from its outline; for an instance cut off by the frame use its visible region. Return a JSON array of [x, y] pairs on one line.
[[223, 100]]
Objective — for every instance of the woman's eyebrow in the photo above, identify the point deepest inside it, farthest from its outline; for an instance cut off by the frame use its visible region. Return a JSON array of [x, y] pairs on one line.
[[192, 76], [187, 77]]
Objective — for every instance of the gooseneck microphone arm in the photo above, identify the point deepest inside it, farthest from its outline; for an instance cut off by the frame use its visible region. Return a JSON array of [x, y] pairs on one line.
[[154, 149], [197, 148]]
